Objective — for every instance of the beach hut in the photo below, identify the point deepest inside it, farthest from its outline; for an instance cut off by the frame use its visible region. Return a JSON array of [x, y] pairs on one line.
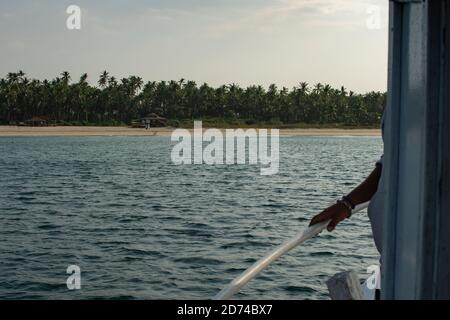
[[151, 120], [37, 122]]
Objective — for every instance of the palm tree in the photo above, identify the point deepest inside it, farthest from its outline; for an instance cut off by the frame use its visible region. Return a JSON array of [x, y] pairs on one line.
[[304, 87], [65, 77], [135, 84], [83, 79], [82, 89], [111, 100], [12, 77], [112, 82], [318, 88], [103, 80]]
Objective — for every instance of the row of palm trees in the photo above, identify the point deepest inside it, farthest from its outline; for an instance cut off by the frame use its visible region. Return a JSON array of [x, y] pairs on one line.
[[121, 101]]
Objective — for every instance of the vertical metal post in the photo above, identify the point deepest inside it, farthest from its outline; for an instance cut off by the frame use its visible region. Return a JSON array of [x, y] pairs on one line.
[[416, 250]]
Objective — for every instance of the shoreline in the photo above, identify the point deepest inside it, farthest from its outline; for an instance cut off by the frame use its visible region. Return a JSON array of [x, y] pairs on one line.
[[74, 131]]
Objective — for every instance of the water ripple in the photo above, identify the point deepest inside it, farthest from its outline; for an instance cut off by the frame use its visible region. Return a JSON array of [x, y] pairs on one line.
[[140, 227]]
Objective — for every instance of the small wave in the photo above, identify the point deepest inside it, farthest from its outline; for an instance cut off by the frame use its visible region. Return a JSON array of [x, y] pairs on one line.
[[114, 297], [170, 218], [48, 227], [130, 258], [131, 219], [24, 198], [234, 270], [191, 232], [197, 225], [272, 205], [298, 289], [42, 286], [141, 252], [199, 260], [321, 254], [27, 193], [245, 244]]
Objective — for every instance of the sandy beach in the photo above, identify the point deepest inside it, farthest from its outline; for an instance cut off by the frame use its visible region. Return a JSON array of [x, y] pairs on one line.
[[15, 131]]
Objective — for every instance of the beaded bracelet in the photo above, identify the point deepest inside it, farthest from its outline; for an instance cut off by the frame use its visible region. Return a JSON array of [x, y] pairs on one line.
[[347, 205]]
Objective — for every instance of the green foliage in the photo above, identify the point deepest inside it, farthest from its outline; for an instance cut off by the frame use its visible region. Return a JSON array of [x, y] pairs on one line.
[[117, 103]]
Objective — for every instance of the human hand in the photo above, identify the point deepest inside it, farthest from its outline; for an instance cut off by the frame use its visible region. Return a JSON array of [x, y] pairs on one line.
[[336, 213]]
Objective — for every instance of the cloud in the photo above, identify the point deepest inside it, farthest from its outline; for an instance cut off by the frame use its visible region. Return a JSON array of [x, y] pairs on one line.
[[308, 12], [315, 7]]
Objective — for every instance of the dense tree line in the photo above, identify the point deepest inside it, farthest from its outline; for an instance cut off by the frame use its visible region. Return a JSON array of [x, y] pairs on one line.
[[121, 101]]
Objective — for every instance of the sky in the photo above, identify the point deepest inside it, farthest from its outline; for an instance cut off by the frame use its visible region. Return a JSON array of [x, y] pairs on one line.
[[247, 42]]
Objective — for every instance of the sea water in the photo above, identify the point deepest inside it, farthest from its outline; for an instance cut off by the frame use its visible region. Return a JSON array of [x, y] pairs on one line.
[[140, 227]]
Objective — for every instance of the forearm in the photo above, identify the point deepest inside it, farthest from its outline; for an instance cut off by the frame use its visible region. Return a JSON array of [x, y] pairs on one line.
[[365, 191], [342, 210]]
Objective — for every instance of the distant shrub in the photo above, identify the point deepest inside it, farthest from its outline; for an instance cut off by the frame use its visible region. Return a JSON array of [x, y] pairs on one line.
[[173, 123]]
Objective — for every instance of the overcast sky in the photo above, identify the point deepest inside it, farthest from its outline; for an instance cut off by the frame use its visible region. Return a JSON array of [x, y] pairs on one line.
[[214, 41]]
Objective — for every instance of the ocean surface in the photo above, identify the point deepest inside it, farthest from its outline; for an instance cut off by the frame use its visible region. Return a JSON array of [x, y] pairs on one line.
[[140, 227]]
